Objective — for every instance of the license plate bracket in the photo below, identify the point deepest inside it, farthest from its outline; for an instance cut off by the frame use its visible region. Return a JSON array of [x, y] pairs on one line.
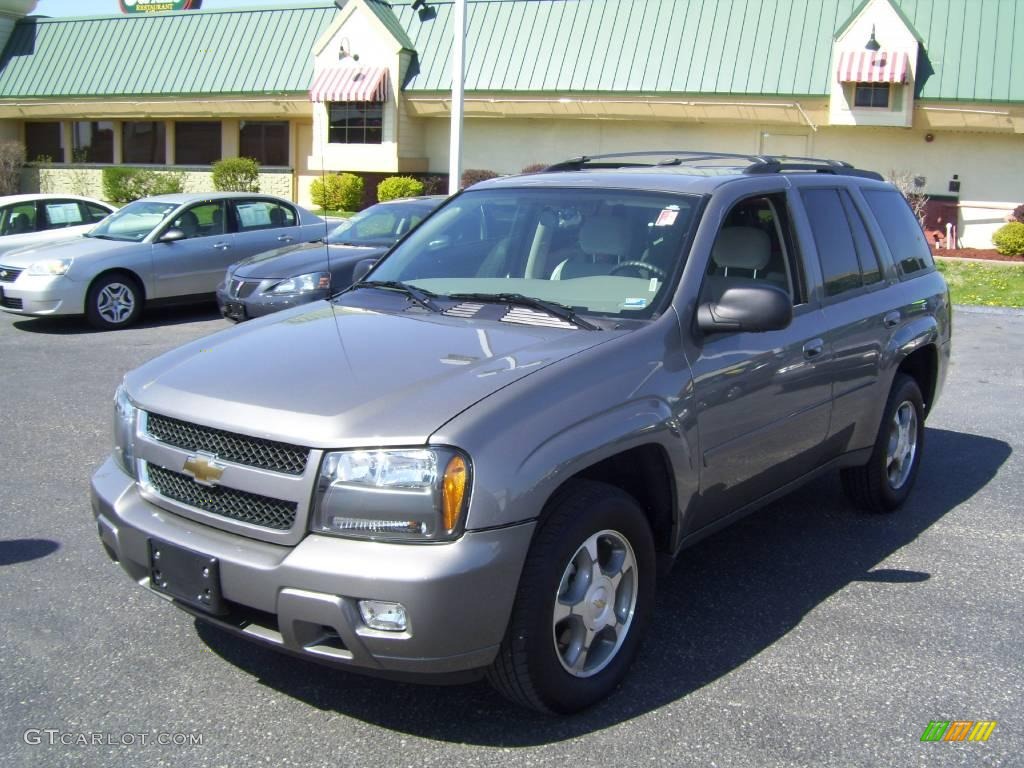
[[191, 577]]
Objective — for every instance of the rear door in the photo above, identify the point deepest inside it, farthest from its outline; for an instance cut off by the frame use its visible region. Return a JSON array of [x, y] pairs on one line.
[[762, 399], [262, 225]]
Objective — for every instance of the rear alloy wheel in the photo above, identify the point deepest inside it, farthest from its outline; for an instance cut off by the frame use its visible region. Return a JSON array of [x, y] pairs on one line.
[[114, 301], [584, 601], [884, 483]]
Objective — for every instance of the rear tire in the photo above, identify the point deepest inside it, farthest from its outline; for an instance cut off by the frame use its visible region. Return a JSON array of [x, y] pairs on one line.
[[584, 601], [885, 481], [113, 301]]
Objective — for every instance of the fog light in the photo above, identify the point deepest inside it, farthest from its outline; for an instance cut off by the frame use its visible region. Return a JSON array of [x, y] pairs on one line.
[[389, 617]]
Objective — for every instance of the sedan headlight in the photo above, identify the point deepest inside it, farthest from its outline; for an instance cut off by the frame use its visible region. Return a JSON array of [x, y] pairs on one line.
[[52, 267], [417, 494], [125, 414], [314, 281]]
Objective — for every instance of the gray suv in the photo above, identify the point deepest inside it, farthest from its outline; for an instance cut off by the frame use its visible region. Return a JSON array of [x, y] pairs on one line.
[[471, 461]]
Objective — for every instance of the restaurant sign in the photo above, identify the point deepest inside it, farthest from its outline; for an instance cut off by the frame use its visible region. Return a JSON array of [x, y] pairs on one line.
[[152, 6]]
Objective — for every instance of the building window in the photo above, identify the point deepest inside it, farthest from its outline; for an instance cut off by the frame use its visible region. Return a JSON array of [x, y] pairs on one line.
[[92, 142], [44, 140], [871, 95], [265, 142], [144, 142], [355, 122], [196, 143]]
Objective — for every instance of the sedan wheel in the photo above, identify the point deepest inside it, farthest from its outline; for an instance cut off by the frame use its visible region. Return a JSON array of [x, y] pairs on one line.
[[114, 301]]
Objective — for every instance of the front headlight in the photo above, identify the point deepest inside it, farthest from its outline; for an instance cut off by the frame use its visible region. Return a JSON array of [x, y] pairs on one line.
[[417, 494], [314, 281], [52, 267], [125, 414]]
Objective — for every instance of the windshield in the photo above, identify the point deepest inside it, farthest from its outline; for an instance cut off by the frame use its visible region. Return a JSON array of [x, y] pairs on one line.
[[604, 252], [380, 225], [133, 222]]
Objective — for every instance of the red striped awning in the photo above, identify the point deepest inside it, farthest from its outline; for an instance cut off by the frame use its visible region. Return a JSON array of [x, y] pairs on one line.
[[873, 67], [350, 84]]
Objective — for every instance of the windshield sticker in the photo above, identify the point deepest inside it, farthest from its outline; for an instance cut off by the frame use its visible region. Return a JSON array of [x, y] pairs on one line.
[[634, 303], [653, 286], [667, 217]]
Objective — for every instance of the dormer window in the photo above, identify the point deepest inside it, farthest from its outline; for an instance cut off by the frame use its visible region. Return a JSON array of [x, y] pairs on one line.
[[874, 95]]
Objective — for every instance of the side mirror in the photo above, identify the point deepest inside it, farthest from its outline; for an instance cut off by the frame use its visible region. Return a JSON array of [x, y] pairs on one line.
[[751, 308], [362, 269], [172, 235]]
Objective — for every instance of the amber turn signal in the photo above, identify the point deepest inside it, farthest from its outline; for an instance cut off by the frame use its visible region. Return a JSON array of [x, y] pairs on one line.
[[455, 477]]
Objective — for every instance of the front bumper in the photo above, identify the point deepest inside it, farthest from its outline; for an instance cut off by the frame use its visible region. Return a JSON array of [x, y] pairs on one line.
[[303, 599], [258, 304], [43, 295]]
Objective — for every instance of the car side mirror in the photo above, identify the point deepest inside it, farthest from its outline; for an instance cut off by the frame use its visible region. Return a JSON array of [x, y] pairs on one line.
[[750, 308], [172, 235], [362, 269]]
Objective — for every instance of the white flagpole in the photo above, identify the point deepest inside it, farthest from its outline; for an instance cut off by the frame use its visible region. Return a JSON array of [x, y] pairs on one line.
[[458, 78]]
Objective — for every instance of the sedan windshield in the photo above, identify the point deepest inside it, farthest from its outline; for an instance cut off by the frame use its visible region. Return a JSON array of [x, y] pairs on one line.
[[616, 253], [133, 222], [379, 225]]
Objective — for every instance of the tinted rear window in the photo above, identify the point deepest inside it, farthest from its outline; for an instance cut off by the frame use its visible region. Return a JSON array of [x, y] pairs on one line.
[[834, 241], [902, 231]]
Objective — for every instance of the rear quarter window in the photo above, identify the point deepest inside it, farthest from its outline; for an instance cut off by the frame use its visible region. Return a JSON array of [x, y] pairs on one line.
[[902, 232]]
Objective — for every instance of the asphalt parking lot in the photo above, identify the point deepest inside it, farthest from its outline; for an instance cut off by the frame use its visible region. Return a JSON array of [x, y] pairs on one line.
[[807, 635]]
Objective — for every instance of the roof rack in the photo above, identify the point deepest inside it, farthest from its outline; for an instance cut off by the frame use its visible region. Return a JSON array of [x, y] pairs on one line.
[[748, 164]]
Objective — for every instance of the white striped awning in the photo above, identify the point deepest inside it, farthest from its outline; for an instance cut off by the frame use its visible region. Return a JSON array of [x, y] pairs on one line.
[[873, 67], [350, 84]]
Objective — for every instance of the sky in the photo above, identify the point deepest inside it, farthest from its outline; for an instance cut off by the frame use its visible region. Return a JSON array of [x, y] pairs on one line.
[[93, 7]]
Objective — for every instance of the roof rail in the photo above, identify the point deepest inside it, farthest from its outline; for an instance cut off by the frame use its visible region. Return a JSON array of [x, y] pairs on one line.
[[748, 164]]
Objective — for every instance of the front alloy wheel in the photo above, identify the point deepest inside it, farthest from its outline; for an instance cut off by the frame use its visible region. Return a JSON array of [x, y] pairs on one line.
[[113, 301]]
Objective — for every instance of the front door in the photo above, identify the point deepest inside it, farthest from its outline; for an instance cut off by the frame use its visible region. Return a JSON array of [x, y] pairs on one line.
[[196, 264], [762, 399]]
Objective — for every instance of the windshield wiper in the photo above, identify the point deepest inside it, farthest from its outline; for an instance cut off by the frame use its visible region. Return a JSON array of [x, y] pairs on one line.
[[551, 307], [419, 295]]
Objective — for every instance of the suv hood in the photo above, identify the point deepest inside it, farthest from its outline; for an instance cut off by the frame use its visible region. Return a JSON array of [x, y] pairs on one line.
[[299, 259], [326, 377]]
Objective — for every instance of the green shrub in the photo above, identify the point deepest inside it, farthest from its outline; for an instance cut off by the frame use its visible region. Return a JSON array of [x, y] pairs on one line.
[[395, 187], [12, 157], [337, 192], [122, 185], [1009, 239], [236, 174], [474, 175]]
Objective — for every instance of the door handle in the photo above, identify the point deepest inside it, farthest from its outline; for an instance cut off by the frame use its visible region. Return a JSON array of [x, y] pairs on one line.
[[222, 246], [284, 239], [892, 319], [813, 348]]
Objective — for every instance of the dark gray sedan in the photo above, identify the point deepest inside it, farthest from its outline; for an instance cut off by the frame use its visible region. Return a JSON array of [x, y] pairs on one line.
[[301, 273]]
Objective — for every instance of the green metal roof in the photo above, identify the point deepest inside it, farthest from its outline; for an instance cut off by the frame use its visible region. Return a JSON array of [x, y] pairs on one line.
[[658, 47], [237, 51]]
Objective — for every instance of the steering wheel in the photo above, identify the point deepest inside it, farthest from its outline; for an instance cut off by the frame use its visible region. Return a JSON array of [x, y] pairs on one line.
[[653, 270]]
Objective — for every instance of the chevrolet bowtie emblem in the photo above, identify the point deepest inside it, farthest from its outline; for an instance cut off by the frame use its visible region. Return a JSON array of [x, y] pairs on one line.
[[204, 469]]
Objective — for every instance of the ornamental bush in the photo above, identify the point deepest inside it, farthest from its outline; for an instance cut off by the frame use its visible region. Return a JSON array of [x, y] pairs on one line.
[[337, 192], [12, 157], [474, 175], [1009, 239], [534, 168], [123, 185], [1018, 214], [236, 174], [395, 187]]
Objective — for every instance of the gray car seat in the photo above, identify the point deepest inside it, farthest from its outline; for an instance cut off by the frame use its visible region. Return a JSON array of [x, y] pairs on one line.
[[605, 236], [736, 248]]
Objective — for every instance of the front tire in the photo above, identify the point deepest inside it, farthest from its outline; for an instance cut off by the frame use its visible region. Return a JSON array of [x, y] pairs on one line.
[[885, 482], [113, 301], [584, 601]]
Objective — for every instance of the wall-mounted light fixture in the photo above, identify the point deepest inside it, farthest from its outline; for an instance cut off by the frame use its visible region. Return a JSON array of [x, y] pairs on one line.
[[872, 44], [345, 51]]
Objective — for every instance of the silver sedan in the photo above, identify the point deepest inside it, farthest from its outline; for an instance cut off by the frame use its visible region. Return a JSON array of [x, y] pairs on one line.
[[164, 249]]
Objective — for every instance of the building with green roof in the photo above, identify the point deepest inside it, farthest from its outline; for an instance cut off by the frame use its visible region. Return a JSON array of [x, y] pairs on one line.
[[929, 89]]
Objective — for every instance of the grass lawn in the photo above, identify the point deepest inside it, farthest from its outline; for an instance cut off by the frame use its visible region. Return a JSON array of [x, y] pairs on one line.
[[994, 285], [337, 214]]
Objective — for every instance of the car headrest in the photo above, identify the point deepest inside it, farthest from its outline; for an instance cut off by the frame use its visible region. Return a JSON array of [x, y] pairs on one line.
[[742, 248], [608, 235]]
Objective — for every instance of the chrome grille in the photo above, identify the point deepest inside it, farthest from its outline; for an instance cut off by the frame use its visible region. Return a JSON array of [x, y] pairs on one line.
[[9, 274], [228, 446], [220, 500]]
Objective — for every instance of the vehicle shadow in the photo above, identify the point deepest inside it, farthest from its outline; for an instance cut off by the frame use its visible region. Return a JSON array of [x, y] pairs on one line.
[[727, 599], [151, 318], [14, 551]]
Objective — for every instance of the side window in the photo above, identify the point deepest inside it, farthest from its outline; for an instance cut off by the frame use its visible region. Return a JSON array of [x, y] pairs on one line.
[[18, 219], [754, 245], [263, 214], [203, 220], [866, 254], [834, 240], [94, 213], [902, 232], [58, 214]]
